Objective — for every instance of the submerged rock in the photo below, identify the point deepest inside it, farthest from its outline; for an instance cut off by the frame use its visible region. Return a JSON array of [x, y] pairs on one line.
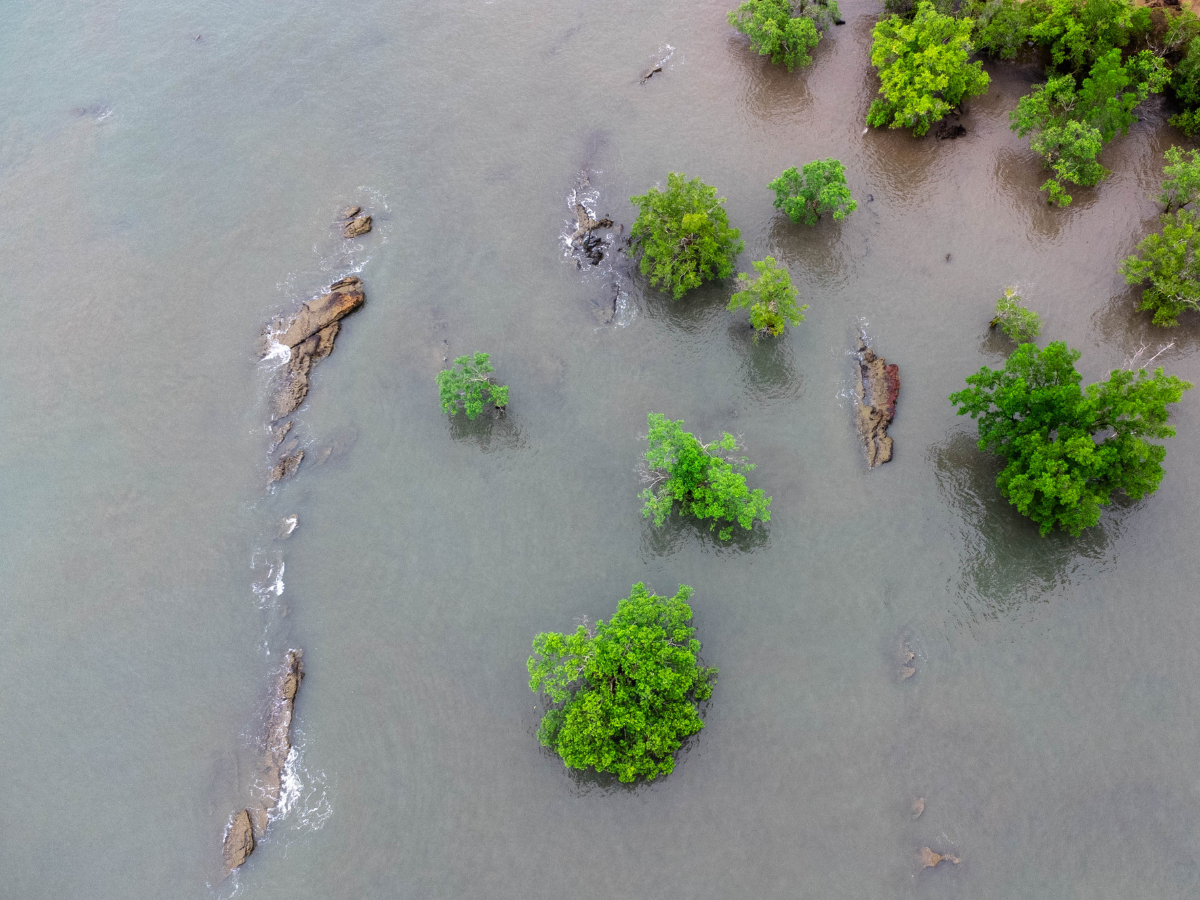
[[357, 226], [876, 392], [929, 859], [650, 72], [309, 337], [286, 467], [250, 824], [239, 840], [918, 807]]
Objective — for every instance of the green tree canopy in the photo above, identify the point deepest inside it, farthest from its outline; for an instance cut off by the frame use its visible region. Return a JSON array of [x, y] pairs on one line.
[[820, 188], [683, 235], [1076, 32], [1068, 450], [704, 483], [1020, 324], [468, 384], [1070, 125], [1181, 178], [1167, 260], [770, 298], [1185, 85], [624, 691], [783, 30], [923, 69]]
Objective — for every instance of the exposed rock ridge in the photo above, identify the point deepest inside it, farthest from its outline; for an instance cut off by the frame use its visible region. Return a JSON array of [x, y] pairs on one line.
[[876, 392], [248, 825]]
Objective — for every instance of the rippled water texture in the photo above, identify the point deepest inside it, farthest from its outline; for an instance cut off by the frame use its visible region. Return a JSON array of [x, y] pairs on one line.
[[171, 175]]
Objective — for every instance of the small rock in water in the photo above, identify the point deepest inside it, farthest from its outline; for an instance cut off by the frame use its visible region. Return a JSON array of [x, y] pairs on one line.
[[876, 391], [288, 525], [907, 672], [356, 227], [918, 807], [649, 73], [929, 859], [351, 212], [286, 467]]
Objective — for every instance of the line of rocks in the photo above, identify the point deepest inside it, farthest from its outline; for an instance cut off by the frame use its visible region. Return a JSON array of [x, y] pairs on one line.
[[247, 826]]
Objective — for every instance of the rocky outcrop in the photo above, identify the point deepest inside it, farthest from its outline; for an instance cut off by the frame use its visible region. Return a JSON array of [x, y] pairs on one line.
[[249, 824], [357, 226], [286, 467], [876, 392], [309, 337], [239, 840]]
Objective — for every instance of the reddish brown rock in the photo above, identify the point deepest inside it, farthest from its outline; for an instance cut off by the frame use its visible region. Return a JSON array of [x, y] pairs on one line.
[[929, 859], [239, 841], [876, 392], [344, 297]]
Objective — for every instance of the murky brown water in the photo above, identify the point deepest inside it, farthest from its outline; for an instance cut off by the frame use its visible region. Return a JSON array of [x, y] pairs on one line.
[[1050, 725]]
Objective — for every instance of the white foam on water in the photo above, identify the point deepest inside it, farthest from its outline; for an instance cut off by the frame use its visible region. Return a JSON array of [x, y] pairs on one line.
[[277, 355], [304, 803]]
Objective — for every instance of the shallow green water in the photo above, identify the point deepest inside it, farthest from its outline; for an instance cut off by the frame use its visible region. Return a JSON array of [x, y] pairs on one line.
[[167, 196]]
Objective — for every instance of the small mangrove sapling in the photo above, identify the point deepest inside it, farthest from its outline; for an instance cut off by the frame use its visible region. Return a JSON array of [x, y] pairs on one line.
[[770, 298], [819, 188], [699, 478], [466, 386], [1020, 324]]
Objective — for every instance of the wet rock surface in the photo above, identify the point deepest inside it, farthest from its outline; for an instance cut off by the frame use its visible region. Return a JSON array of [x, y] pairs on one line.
[[876, 392], [930, 860], [239, 841], [286, 467], [357, 227], [310, 337], [249, 824]]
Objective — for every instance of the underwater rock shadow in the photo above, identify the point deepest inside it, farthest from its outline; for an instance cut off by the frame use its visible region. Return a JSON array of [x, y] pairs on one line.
[[767, 369], [1005, 563]]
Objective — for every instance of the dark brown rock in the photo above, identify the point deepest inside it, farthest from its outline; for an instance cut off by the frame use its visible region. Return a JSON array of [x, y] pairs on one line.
[[278, 433], [239, 841], [356, 227], [286, 467], [650, 72], [279, 729], [877, 389]]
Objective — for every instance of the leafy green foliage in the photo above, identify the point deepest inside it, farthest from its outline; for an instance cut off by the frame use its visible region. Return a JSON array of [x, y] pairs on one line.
[[1181, 178], [1185, 85], [1034, 415], [468, 385], [1076, 32], [783, 31], [1070, 125], [1167, 259], [923, 69], [705, 484], [770, 298], [1020, 324], [625, 691], [820, 188], [684, 235]]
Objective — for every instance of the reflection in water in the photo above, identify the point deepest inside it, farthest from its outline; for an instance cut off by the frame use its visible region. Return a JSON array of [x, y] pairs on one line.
[[491, 431], [1122, 324], [1005, 563], [767, 372], [678, 530], [769, 91], [819, 249], [1019, 177]]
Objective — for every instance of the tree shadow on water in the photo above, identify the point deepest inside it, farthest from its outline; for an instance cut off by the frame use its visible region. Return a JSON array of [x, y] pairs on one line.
[[1020, 176], [1005, 563], [766, 366], [679, 530], [769, 91], [819, 249], [491, 431], [1122, 323]]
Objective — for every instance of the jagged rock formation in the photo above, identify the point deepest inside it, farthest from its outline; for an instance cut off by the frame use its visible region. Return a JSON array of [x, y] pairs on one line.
[[286, 467], [249, 824], [876, 392], [309, 337], [929, 859]]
